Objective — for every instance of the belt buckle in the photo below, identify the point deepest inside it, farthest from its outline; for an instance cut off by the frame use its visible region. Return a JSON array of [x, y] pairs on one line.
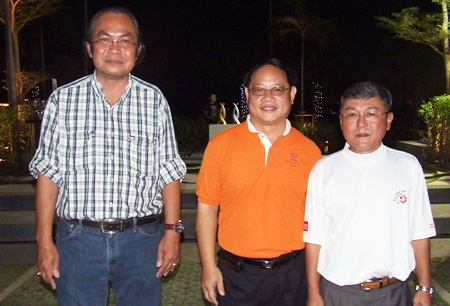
[[110, 221], [268, 264], [373, 280]]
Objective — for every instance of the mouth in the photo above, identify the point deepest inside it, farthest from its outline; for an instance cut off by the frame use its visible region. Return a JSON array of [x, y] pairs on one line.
[[268, 108], [362, 135], [113, 61]]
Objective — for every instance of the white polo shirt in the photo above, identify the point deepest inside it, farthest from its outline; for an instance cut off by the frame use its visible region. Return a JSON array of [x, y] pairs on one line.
[[364, 210]]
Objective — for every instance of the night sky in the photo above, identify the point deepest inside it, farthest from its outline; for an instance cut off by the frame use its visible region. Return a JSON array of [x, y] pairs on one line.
[[197, 47]]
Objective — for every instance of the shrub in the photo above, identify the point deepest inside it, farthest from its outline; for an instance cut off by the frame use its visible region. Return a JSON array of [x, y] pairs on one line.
[[190, 133], [436, 115], [326, 134]]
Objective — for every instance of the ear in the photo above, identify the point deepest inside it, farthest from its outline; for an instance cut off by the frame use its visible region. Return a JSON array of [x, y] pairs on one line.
[[389, 118], [138, 51], [247, 93], [88, 49], [293, 93]]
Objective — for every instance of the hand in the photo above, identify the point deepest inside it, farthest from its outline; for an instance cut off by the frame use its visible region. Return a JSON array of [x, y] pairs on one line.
[[315, 300], [168, 253], [212, 279], [48, 263], [422, 298]]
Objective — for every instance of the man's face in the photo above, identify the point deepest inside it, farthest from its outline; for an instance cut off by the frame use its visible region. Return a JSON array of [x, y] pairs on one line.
[[362, 134], [112, 61], [268, 109]]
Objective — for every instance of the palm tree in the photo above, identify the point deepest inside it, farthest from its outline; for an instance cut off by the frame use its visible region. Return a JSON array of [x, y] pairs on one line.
[[302, 24]]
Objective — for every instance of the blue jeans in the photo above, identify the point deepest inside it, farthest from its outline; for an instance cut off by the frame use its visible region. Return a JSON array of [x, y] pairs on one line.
[[89, 260]]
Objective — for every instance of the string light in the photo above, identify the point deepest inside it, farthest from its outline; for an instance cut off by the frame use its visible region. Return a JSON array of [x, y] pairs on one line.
[[242, 105], [318, 102]]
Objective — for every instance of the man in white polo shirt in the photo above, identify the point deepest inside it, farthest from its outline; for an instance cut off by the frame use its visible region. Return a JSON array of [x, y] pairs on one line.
[[368, 217]]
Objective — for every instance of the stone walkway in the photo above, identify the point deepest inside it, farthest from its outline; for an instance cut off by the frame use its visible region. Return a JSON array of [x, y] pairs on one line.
[[25, 283]]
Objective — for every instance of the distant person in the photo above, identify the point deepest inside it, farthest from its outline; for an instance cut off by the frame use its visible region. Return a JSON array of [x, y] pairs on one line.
[[368, 217], [251, 189], [211, 110], [108, 164]]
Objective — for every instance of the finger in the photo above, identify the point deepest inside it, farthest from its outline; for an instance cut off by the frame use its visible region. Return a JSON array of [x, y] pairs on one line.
[[164, 270], [48, 278], [220, 288], [210, 295]]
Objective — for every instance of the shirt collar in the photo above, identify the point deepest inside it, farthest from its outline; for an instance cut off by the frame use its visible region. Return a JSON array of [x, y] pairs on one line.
[[99, 88], [252, 128]]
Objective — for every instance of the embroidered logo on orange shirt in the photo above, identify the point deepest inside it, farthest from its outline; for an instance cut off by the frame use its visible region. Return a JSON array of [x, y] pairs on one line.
[[293, 157]]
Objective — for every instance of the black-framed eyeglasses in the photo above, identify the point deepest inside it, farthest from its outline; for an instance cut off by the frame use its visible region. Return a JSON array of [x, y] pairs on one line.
[[276, 91], [121, 43], [369, 115]]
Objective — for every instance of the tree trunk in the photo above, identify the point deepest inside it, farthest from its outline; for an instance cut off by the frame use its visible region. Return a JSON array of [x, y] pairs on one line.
[[12, 94], [445, 44], [302, 71]]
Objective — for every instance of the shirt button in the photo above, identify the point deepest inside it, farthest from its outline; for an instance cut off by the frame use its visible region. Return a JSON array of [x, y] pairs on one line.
[[112, 156], [111, 204]]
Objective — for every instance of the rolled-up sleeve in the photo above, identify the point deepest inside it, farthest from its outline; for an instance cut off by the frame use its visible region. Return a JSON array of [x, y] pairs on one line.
[[46, 161], [172, 166]]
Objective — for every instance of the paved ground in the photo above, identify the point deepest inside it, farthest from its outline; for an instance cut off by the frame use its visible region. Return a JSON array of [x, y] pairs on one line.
[[19, 286]]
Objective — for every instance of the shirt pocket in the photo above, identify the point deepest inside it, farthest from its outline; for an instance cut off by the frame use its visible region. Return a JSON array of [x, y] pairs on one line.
[[82, 156], [142, 152]]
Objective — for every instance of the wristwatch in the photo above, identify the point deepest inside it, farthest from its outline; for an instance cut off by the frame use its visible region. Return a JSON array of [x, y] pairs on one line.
[[177, 227], [425, 289]]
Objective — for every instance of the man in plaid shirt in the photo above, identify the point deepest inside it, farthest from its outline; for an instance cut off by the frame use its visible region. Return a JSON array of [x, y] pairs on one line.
[[108, 164]]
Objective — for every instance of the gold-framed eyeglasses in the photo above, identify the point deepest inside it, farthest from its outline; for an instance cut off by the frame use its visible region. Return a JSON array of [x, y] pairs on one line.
[[369, 115], [121, 43], [276, 91]]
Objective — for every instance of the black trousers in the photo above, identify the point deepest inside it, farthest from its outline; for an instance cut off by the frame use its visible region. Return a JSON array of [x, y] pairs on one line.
[[255, 286]]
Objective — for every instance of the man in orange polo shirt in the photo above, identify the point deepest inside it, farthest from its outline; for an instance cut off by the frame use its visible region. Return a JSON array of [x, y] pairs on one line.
[[251, 191]]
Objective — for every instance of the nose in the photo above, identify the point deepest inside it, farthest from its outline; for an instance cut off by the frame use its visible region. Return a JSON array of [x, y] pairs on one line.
[[362, 120], [267, 94], [114, 46]]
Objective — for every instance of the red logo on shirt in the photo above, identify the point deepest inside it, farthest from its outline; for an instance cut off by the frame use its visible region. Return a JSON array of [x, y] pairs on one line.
[[401, 197], [305, 226]]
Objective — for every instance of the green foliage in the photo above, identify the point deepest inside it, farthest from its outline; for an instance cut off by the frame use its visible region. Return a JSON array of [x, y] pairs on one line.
[[325, 134], [436, 115], [8, 160], [190, 132], [430, 29], [411, 25]]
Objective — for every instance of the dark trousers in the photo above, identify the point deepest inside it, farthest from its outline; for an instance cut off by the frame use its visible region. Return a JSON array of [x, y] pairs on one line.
[[256, 286], [396, 294]]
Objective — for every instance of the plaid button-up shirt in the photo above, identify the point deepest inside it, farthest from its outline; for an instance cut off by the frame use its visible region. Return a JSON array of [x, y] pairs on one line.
[[108, 162]]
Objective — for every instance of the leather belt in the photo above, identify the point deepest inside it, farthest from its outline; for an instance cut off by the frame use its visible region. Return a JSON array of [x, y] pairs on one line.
[[111, 226], [377, 283], [235, 262]]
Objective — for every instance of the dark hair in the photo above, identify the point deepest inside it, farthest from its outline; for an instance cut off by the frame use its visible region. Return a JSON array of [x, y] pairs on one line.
[[290, 74], [117, 10], [367, 90]]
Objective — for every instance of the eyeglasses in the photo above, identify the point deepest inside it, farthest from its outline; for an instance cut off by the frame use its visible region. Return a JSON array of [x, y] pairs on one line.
[[370, 116], [276, 91], [121, 43]]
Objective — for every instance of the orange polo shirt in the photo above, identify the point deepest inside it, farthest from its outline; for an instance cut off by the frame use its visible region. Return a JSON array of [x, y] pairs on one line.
[[262, 206]]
